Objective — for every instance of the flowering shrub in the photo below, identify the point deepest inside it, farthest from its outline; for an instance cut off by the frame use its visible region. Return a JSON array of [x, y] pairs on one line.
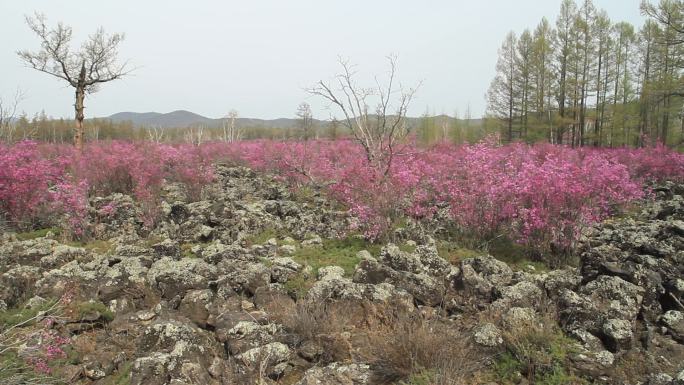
[[541, 195]]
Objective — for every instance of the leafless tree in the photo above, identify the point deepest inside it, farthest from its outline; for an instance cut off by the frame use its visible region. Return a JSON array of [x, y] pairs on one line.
[[8, 113], [231, 133], [85, 69], [305, 118], [195, 135], [379, 133], [155, 133]]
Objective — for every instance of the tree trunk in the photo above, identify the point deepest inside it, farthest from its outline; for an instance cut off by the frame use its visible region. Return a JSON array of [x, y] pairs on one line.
[[80, 97], [78, 134]]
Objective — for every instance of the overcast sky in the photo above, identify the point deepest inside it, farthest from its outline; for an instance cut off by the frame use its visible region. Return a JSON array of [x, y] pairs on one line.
[[257, 56]]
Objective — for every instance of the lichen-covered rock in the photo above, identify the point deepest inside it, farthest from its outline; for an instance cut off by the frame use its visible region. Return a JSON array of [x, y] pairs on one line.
[[174, 351], [519, 317], [488, 335], [172, 277], [480, 276], [267, 355], [522, 294], [332, 284], [422, 273], [618, 334], [283, 268], [248, 335], [338, 374], [167, 248], [673, 320]]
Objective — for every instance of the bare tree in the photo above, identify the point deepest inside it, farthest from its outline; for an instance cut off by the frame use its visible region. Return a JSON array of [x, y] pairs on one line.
[[231, 133], [305, 119], [84, 69], [195, 135], [8, 113], [378, 133], [155, 133]]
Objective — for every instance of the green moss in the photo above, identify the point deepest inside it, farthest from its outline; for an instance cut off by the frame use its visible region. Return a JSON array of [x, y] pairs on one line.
[[38, 233], [85, 308]]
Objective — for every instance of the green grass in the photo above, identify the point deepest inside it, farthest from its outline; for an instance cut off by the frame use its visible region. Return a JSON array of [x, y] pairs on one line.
[[338, 252], [507, 368], [85, 308], [11, 317], [298, 285], [186, 250], [265, 235], [405, 247], [13, 369], [122, 376], [454, 253], [508, 251], [539, 352], [40, 233], [423, 377], [96, 246]]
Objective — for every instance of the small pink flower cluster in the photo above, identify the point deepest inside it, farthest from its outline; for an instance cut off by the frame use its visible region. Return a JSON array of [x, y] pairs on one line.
[[44, 347]]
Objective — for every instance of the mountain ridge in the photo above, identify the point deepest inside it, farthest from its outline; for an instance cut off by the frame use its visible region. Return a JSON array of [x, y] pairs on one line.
[[185, 118]]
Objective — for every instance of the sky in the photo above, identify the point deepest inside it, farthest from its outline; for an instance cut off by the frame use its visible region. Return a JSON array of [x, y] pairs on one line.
[[259, 56]]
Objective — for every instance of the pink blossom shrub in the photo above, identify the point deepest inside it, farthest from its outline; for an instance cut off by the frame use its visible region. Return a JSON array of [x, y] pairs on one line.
[[29, 180], [540, 195]]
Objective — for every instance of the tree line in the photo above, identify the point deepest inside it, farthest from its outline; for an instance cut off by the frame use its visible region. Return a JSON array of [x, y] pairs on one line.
[[587, 80], [41, 127]]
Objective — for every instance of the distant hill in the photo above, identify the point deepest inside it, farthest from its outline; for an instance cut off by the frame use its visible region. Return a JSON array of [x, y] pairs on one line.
[[183, 118], [180, 118]]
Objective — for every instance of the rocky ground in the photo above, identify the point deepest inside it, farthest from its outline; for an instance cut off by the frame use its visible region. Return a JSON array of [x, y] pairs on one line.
[[243, 288]]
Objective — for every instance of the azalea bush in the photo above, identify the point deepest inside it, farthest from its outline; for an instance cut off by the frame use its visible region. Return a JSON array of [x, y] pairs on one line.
[[539, 195]]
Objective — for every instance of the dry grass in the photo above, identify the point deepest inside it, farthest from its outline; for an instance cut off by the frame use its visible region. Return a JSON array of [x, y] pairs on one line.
[[420, 351], [399, 345]]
